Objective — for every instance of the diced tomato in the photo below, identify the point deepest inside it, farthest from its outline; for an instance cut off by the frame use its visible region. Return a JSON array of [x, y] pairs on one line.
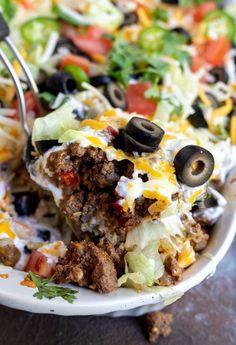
[[80, 61], [200, 11], [92, 45], [137, 101], [69, 178], [26, 4], [38, 264], [215, 51], [91, 42], [117, 207], [197, 63], [31, 105], [112, 131], [96, 31]]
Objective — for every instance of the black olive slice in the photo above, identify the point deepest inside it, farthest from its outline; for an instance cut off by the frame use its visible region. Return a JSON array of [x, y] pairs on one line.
[[115, 95], [100, 80], [131, 145], [144, 131], [64, 42], [182, 32], [60, 82], [130, 18], [193, 165], [25, 203], [171, 2], [44, 234], [45, 145], [197, 119], [219, 74]]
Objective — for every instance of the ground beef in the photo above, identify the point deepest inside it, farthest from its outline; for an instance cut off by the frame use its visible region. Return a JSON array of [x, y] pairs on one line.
[[198, 237], [158, 324], [116, 254], [87, 265], [196, 234], [91, 204], [9, 253], [173, 272]]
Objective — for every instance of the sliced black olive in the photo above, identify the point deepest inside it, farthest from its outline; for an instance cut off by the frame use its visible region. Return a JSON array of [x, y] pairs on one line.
[[129, 19], [60, 82], [27, 250], [115, 95], [100, 80], [131, 145], [197, 119], [219, 74], [66, 43], [44, 234], [25, 203], [183, 32], [45, 145], [193, 165], [172, 2], [144, 131]]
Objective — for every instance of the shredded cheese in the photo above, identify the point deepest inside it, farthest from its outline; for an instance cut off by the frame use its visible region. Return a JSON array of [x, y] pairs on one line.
[[220, 112]]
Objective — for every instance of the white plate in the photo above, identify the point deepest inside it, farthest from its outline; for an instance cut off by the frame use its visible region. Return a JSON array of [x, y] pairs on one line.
[[126, 301]]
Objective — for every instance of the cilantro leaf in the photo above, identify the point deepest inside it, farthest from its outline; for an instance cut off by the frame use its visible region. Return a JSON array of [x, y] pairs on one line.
[[196, 2], [51, 291], [155, 70], [122, 60]]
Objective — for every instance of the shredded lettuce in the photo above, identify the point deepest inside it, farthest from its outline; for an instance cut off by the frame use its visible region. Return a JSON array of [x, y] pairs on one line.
[[101, 12], [178, 93], [143, 263], [167, 227], [52, 126], [143, 267]]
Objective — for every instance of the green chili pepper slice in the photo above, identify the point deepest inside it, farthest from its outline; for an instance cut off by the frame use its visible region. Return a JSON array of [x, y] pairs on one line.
[[38, 30], [79, 75], [218, 23], [152, 38]]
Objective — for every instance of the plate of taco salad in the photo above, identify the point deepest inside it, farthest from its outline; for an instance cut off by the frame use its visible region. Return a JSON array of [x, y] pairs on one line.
[[123, 197]]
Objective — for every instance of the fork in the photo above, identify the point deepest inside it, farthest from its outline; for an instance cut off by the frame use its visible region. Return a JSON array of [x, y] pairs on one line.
[[4, 37]]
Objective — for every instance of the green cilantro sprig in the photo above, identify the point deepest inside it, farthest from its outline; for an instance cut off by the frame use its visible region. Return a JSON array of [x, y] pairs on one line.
[[196, 2], [122, 60], [51, 291]]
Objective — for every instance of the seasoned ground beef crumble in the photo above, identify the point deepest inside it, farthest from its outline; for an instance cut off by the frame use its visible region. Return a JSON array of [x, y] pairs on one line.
[[96, 180], [87, 265]]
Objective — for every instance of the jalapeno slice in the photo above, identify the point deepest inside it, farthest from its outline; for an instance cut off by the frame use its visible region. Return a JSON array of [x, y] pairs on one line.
[[152, 38], [218, 23], [78, 73], [38, 30]]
